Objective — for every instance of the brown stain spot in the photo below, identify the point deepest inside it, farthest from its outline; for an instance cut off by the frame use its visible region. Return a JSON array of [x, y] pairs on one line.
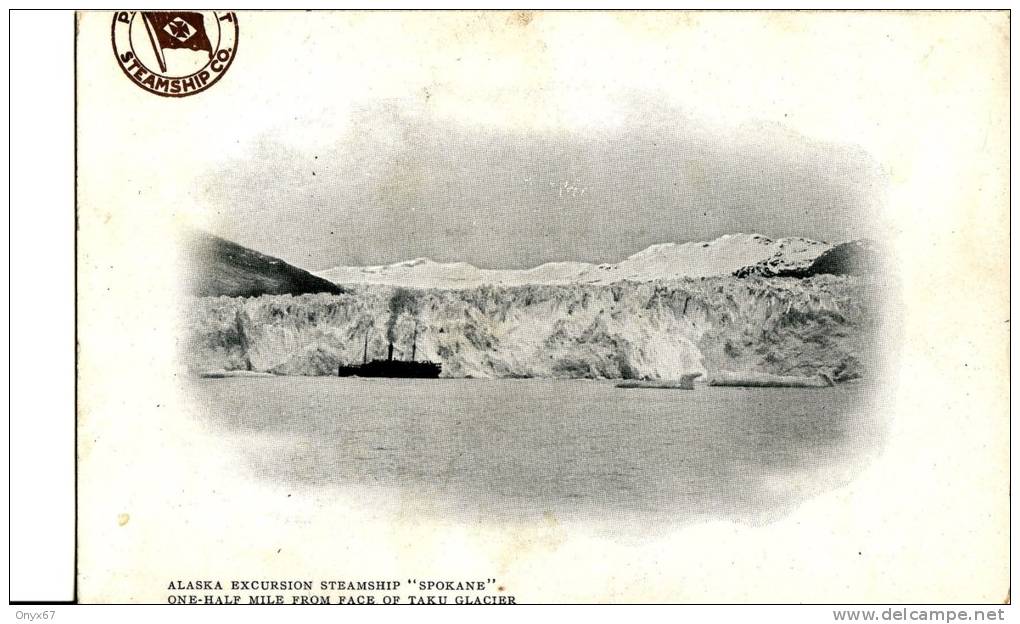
[[1009, 591], [123, 519], [501, 588], [523, 18], [788, 24], [662, 25], [539, 537], [85, 446]]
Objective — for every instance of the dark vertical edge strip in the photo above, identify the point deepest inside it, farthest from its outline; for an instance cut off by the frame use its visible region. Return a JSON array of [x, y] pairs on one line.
[[74, 585]]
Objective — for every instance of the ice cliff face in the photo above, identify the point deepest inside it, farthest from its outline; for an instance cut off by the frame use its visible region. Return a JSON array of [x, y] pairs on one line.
[[655, 329]]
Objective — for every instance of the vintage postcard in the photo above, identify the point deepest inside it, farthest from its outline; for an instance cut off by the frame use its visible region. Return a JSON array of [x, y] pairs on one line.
[[507, 307]]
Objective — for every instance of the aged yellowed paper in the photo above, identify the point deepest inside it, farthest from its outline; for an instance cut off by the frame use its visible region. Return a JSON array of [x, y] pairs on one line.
[[519, 307]]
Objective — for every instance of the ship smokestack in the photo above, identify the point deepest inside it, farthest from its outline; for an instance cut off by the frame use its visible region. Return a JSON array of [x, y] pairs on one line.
[[390, 356]]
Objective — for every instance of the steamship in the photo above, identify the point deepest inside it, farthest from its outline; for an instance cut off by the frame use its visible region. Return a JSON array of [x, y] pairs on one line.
[[390, 367]]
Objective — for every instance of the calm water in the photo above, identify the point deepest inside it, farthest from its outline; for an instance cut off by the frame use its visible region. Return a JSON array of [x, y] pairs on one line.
[[516, 450]]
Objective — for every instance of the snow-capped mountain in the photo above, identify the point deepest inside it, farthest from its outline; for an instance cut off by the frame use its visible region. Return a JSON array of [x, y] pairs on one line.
[[722, 256]]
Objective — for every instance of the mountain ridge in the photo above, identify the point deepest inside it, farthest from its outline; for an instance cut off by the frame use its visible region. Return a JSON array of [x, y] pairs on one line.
[[218, 267], [725, 255]]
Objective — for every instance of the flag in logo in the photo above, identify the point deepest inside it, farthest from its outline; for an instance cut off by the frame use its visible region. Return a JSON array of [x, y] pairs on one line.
[[176, 29]]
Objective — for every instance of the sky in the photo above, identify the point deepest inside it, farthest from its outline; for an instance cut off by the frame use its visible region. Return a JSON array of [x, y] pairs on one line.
[[403, 181], [510, 139]]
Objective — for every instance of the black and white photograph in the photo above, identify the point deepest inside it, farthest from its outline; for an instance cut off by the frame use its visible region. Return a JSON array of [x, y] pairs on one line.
[[510, 325]]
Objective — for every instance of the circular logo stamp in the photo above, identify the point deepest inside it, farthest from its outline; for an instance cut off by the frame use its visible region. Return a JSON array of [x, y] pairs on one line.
[[175, 53]]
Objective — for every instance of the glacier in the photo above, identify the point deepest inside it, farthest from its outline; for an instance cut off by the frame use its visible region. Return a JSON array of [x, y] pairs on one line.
[[658, 329]]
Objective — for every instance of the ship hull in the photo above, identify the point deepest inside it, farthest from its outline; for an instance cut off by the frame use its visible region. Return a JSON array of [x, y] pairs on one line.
[[392, 368]]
